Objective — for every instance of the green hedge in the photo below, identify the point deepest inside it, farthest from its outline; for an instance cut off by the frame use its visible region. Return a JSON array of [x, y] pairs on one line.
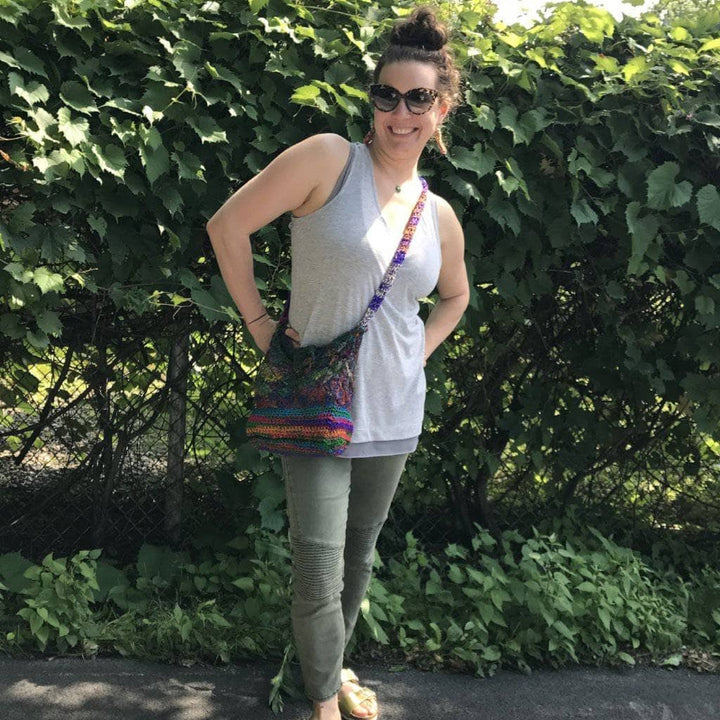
[[547, 599], [583, 164]]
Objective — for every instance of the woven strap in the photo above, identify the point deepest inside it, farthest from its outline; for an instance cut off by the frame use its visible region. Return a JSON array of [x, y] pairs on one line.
[[398, 258]]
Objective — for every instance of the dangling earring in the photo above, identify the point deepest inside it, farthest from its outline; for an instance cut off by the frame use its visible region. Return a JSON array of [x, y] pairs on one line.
[[438, 138], [368, 139]]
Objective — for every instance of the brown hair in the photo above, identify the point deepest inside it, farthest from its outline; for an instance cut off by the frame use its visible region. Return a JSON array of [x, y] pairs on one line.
[[422, 38]]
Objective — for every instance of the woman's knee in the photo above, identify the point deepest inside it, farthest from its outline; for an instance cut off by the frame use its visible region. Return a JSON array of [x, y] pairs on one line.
[[317, 570], [360, 545]]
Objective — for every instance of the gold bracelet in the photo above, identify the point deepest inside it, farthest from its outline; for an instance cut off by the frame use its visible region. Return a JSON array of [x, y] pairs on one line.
[[256, 319]]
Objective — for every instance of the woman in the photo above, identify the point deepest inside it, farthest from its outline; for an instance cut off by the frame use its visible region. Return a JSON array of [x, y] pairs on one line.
[[350, 203]]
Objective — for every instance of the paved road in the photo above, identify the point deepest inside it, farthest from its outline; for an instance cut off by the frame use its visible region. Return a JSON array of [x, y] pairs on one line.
[[102, 688]]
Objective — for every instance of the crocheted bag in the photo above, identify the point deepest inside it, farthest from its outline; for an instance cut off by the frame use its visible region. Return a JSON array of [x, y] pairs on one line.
[[303, 395]]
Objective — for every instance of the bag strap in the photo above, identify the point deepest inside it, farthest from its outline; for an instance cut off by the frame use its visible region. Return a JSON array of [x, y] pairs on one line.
[[398, 258]]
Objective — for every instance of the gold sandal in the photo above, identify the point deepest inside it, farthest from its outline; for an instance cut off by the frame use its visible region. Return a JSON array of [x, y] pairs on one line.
[[362, 697]]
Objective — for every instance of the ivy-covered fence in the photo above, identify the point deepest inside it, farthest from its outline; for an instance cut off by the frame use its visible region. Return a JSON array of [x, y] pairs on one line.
[[583, 164]]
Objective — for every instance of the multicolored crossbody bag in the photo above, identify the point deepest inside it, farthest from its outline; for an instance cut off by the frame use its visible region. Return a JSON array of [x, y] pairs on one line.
[[303, 395]]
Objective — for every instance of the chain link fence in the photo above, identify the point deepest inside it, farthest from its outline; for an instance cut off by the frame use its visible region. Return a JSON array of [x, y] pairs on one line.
[[131, 439], [112, 447]]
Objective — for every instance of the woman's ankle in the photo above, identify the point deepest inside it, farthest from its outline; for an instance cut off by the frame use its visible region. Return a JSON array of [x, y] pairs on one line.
[[326, 710]]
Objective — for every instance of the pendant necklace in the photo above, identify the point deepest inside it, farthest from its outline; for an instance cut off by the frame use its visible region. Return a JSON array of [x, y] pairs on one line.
[[397, 188]]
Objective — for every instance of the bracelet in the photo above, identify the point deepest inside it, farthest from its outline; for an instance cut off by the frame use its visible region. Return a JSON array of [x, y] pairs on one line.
[[256, 319]]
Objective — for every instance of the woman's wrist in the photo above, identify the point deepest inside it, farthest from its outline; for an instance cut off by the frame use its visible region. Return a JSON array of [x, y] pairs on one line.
[[262, 331], [259, 324], [256, 319]]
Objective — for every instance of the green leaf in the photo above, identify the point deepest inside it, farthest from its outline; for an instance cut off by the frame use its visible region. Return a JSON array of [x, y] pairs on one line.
[[111, 159], [22, 218], [185, 58], [207, 129], [508, 184], [63, 16], [678, 67], [228, 76], [37, 339], [305, 95], [485, 117], [629, 659], [171, 198], [707, 117], [32, 93], [604, 615], [636, 66], [503, 211], [75, 130], [563, 629], [582, 212], [705, 305], [98, 224], [49, 322], [208, 305], [710, 45], [478, 160], [354, 92], [605, 63], [29, 61], [257, 5], [456, 575], [189, 165], [47, 280], [708, 205], [156, 161], [18, 272], [673, 660], [244, 583], [9, 60], [512, 39], [78, 97], [596, 24], [461, 186], [663, 192], [643, 230]]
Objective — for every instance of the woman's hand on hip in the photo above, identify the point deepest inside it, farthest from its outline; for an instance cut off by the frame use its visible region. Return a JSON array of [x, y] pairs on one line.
[[262, 334]]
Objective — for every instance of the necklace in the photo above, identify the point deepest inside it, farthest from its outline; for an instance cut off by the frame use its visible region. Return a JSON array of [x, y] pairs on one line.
[[398, 188]]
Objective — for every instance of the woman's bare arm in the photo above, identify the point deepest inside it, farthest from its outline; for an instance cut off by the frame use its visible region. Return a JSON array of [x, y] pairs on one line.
[[288, 184], [453, 286]]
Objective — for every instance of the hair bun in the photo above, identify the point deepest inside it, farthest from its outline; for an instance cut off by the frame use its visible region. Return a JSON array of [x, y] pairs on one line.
[[421, 29]]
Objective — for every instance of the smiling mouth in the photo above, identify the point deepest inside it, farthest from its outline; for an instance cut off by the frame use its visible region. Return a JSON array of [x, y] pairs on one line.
[[402, 131]]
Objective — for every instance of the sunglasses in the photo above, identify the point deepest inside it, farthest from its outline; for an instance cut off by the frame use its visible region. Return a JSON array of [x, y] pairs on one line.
[[418, 100]]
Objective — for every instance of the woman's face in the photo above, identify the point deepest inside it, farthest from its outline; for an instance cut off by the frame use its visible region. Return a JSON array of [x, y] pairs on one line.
[[401, 132]]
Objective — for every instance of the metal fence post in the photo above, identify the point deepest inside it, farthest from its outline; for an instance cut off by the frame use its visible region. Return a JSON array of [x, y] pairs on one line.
[[177, 414]]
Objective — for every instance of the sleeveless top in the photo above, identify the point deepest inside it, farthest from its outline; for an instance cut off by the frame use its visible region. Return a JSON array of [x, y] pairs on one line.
[[340, 253]]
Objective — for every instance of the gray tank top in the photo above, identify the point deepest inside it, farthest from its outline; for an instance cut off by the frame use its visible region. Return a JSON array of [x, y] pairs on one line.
[[340, 253]]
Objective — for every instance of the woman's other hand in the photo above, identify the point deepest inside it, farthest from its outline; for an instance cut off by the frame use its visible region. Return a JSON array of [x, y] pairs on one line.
[[293, 334]]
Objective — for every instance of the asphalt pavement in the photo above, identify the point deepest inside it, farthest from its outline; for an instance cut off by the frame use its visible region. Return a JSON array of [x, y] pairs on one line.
[[113, 688]]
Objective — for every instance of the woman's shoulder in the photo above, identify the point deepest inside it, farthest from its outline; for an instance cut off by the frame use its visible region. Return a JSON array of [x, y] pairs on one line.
[[444, 208], [448, 222], [322, 155], [331, 144]]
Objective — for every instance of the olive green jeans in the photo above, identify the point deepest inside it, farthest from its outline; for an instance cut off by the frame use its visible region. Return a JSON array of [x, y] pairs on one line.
[[336, 508]]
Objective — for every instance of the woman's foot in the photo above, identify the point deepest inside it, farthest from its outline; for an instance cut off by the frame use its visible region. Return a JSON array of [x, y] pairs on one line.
[[356, 702]]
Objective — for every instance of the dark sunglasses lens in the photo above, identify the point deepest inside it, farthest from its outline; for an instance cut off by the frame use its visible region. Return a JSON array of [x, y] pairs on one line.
[[384, 98], [420, 101]]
